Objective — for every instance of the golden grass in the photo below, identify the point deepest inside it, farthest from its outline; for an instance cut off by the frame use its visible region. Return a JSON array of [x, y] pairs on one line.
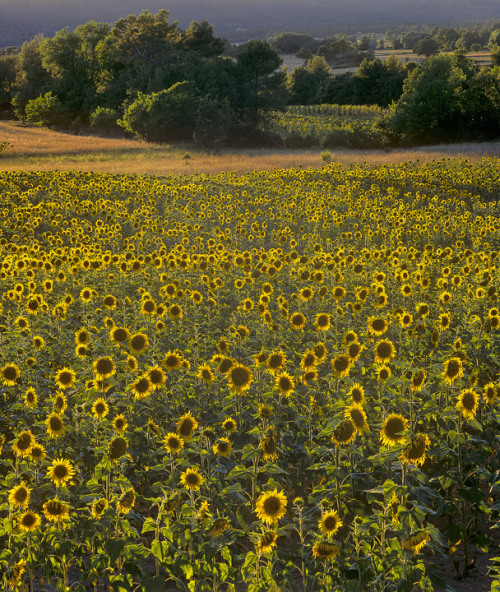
[[43, 149]]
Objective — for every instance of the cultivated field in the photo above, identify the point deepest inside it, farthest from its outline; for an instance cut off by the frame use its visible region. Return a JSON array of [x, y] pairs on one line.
[[286, 380]]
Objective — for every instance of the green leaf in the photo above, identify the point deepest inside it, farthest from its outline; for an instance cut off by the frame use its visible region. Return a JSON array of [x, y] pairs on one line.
[[149, 525], [153, 584], [114, 549]]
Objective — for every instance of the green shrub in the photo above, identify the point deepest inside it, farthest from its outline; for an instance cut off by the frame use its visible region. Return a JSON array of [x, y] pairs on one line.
[[45, 110], [104, 119]]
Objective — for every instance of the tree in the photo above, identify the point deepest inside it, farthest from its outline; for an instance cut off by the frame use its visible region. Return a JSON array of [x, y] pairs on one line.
[[447, 98], [8, 76], [45, 110], [33, 78], [200, 38], [307, 84], [426, 47], [264, 85], [163, 116], [378, 83]]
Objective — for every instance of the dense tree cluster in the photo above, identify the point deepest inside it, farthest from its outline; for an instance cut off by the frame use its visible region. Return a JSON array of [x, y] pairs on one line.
[[157, 81], [166, 83]]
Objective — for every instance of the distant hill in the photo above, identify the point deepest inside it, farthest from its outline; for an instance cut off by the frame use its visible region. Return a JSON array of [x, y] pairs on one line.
[[239, 20]]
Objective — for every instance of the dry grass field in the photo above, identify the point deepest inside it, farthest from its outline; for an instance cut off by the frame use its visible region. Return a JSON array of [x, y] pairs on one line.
[[42, 149]]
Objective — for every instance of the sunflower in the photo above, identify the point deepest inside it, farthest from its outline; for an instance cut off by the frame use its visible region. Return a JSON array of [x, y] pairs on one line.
[[417, 381], [29, 521], [271, 506], [490, 393], [99, 506], [320, 352], [37, 452], [117, 447], [86, 294], [269, 445], [60, 471], [384, 351], [357, 394], [10, 374], [444, 321], [186, 426], [191, 479], [229, 424], [423, 309], [392, 430], [126, 501], [138, 343], [131, 364], [172, 361], [65, 378], [148, 307], [453, 369], [38, 342], [377, 326], [341, 366], [265, 411], [322, 321], [297, 321], [219, 526], [104, 368], [467, 402], [119, 335], [416, 450], [120, 424], [109, 302], [285, 383], [239, 378], [383, 373], [405, 320], [60, 402], [100, 408], [345, 433], [417, 541], [267, 541], [30, 398], [19, 496], [357, 415], [173, 443], [325, 551], [330, 522], [156, 377], [354, 350], [338, 293], [82, 337], [141, 387], [308, 361], [275, 361], [175, 312], [55, 425], [222, 447], [205, 374], [23, 443]]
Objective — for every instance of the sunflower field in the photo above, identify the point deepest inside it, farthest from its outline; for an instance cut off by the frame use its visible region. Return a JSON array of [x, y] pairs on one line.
[[283, 381], [330, 126]]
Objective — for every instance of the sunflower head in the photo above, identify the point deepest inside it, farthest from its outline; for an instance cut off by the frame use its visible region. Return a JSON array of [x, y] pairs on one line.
[[393, 430], [173, 443], [330, 522], [192, 479], [345, 433], [271, 506]]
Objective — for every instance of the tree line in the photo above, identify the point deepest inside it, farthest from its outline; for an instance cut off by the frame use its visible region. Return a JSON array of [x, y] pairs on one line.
[[146, 75]]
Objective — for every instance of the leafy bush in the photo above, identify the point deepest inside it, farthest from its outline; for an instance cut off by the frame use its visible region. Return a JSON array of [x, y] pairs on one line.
[[163, 116], [104, 119], [45, 110]]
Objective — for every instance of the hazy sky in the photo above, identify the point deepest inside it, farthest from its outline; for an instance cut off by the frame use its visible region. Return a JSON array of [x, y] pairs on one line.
[[20, 19]]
